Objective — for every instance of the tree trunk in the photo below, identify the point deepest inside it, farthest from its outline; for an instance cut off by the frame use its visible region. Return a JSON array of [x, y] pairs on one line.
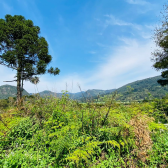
[[19, 78], [22, 85], [18, 87]]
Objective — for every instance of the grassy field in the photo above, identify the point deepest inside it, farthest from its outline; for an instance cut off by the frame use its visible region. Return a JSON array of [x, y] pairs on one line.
[[51, 132]]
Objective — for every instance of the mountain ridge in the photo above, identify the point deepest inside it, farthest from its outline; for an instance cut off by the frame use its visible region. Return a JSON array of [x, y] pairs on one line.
[[141, 89], [9, 91]]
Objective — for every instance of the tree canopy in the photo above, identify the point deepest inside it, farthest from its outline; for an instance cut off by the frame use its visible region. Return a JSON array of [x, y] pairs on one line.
[[22, 49], [160, 56]]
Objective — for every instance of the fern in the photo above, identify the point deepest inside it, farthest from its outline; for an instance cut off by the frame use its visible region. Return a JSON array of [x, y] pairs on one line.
[[84, 153], [113, 143]]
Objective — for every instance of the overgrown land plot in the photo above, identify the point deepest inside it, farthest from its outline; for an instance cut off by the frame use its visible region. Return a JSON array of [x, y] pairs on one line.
[[60, 132]]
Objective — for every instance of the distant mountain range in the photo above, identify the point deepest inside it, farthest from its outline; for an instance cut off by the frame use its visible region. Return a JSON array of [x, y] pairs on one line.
[[88, 94], [137, 90]]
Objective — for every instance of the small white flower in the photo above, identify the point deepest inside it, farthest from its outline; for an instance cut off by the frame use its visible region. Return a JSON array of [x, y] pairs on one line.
[[12, 153]]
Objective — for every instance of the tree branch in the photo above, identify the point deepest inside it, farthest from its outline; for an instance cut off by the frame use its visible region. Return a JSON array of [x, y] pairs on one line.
[[10, 81], [8, 65]]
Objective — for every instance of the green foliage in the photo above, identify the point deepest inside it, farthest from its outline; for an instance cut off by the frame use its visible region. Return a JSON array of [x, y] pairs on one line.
[[60, 132], [24, 41], [160, 57], [159, 155], [23, 50], [25, 129], [3, 103]]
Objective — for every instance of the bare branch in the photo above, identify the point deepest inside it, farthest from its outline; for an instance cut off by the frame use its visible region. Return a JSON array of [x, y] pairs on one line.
[[10, 81]]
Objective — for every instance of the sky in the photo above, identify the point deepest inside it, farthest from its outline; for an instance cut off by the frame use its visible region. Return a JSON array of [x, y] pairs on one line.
[[96, 44]]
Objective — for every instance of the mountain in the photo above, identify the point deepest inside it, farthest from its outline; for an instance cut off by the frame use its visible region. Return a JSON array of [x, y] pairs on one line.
[[141, 89], [94, 94], [138, 90], [9, 91], [79, 95], [48, 93]]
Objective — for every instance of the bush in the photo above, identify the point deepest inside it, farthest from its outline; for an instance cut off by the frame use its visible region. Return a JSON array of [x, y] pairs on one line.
[[56, 132], [3, 103]]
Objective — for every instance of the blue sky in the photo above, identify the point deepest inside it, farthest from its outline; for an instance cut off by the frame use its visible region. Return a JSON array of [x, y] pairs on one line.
[[97, 44]]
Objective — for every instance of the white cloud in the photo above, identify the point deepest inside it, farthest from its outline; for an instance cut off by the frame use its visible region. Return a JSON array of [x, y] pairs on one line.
[[112, 20], [137, 2], [130, 59], [126, 63]]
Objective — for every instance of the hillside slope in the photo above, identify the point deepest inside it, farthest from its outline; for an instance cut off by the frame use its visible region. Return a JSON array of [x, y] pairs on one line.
[[141, 89], [9, 91]]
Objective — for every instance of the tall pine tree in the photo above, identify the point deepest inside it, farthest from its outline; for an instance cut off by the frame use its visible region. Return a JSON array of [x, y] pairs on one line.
[[22, 49]]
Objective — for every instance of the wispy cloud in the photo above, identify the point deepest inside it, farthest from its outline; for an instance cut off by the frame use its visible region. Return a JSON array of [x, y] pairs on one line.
[[131, 58], [92, 52], [121, 57], [112, 20], [127, 63], [137, 2]]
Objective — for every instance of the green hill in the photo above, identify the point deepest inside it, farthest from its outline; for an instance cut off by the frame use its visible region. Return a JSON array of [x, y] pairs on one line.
[[140, 90], [9, 91], [47, 93]]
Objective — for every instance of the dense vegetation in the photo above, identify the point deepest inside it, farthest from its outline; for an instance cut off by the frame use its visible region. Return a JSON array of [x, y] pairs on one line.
[[60, 132]]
